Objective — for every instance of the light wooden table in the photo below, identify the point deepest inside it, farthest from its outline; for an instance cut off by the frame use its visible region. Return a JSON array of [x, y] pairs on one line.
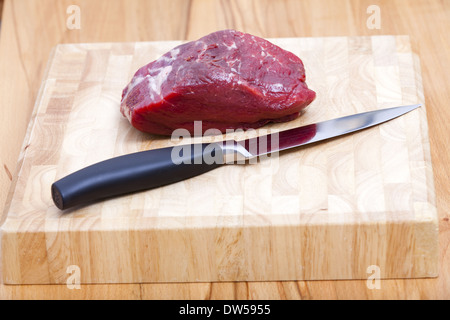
[[30, 29]]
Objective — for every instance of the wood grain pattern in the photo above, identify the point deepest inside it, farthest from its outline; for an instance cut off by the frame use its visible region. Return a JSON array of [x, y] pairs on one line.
[[327, 211], [24, 50]]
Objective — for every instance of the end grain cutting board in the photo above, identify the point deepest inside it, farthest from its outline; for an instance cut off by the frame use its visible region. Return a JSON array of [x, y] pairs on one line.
[[333, 210]]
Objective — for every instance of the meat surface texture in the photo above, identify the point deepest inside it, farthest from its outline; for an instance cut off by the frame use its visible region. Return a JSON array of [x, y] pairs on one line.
[[227, 80]]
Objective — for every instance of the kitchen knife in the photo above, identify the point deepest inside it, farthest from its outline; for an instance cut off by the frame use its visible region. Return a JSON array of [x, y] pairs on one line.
[[154, 168]]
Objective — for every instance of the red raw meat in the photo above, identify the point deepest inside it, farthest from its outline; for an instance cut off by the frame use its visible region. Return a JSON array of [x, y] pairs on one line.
[[227, 79]]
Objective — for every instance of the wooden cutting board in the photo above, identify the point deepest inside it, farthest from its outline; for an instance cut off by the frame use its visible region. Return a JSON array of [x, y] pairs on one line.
[[356, 207]]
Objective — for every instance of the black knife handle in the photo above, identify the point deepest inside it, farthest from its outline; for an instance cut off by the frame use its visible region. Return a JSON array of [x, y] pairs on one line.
[[135, 172]]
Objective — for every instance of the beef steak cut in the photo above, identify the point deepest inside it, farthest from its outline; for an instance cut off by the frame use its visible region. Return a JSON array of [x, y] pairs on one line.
[[227, 80]]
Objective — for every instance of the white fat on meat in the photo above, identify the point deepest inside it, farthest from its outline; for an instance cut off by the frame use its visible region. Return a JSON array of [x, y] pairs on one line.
[[231, 47], [126, 111], [155, 82], [276, 87]]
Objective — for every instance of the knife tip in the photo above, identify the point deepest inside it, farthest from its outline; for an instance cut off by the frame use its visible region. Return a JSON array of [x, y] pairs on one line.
[[413, 106]]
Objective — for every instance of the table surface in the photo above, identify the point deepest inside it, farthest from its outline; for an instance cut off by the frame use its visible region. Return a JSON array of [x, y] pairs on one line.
[[30, 29]]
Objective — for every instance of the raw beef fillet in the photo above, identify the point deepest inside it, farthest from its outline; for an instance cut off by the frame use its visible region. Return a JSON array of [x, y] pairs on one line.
[[227, 79]]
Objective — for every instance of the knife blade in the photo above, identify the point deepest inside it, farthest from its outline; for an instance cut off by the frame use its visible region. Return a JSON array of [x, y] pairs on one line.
[[155, 168]]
